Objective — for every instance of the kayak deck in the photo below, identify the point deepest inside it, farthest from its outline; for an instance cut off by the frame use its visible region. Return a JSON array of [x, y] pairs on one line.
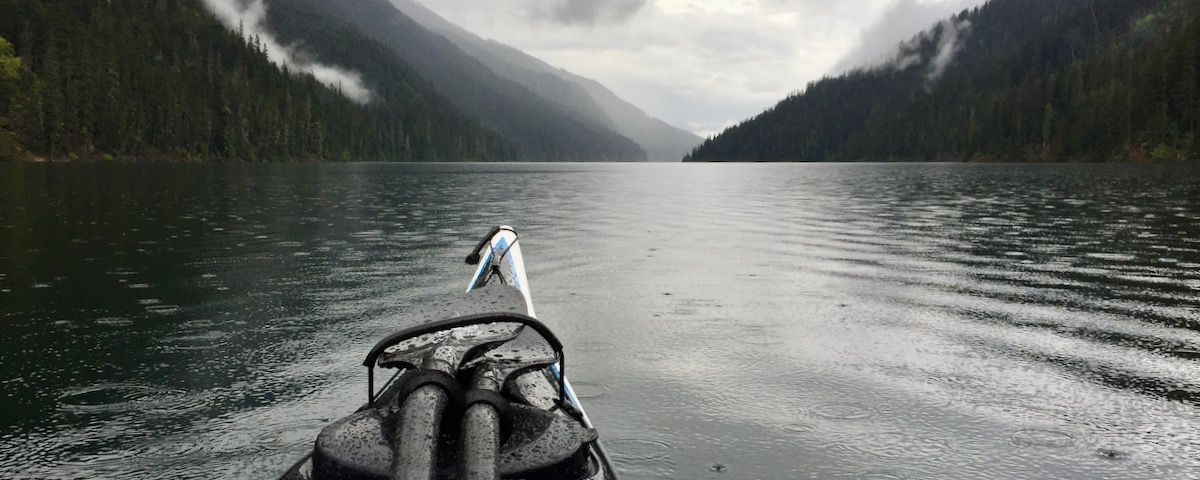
[[477, 373]]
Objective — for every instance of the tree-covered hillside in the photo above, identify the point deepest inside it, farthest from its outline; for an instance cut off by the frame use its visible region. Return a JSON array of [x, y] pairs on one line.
[[1030, 80], [540, 130], [164, 79]]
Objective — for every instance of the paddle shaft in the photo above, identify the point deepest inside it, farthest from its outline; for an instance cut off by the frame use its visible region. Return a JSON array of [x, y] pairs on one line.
[[481, 434], [414, 450], [481, 442], [420, 419]]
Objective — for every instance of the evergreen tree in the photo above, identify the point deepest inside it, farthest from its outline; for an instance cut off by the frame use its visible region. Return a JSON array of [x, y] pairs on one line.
[[10, 78], [164, 79], [1066, 80]]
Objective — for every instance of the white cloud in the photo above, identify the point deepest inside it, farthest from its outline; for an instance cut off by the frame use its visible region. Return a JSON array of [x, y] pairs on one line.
[[250, 19], [705, 64]]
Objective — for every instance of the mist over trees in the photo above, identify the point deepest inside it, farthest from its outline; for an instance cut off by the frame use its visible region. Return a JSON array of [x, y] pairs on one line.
[[164, 79], [1033, 80], [539, 128]]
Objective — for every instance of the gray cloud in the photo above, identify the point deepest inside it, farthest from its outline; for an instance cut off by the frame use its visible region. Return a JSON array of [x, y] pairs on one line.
[[586, 12], [250, 16], [880, 43]]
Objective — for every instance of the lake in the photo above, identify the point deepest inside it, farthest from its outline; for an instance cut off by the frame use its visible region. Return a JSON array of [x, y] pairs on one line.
[[759, 321]]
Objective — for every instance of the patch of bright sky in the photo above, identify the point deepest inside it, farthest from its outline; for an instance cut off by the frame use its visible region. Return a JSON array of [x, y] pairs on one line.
[[701, 65]]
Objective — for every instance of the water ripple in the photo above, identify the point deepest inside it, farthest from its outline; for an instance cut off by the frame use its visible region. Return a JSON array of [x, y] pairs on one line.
[[633, 451], [126, 397], [1042, 438], [843, 411]]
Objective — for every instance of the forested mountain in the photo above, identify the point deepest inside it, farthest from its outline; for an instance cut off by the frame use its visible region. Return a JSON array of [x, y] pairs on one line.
[[1012, 80], [164, 79], [583, 96], [540, 129]]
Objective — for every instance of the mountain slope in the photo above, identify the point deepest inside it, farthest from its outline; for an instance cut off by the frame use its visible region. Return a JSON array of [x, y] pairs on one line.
[[540, 130], [164, 79], [1028, 80], [585, 96]]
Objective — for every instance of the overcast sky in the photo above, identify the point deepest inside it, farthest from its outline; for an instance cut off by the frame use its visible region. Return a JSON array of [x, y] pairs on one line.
[[701, 65]]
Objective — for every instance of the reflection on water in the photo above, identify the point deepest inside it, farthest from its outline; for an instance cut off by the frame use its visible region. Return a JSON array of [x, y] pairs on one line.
[[738, 321]]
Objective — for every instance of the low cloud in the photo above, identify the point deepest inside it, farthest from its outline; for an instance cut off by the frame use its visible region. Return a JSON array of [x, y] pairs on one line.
[[883, 43], [586, 12], [952, 33], [947, 34], [250, 19]]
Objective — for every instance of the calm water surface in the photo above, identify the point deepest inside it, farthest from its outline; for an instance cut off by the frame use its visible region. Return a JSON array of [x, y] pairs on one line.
[[723, 321]]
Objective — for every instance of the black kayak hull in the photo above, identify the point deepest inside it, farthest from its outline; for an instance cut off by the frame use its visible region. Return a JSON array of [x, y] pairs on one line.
[[544, 433]]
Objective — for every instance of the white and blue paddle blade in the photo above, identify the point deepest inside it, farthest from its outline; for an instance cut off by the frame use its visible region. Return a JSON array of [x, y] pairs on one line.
[[498, 258]]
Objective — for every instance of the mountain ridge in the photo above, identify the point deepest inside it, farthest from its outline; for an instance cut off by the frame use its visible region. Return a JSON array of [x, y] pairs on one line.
[[73, 87], [540, 130], [1035, 80], [592, 99]]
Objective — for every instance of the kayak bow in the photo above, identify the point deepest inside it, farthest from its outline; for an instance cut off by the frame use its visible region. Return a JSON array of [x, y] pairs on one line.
[[479, 392]]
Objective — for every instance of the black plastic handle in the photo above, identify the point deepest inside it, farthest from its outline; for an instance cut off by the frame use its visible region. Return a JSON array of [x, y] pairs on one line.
[[474, 257], [481, 319]]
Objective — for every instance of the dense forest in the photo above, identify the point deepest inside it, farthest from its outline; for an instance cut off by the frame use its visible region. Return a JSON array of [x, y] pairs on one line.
[[1032, 80], [164, 79]]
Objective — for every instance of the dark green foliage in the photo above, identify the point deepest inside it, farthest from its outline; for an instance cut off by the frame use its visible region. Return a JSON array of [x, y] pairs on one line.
[[1036, 80], [10, 77], [164, 79]]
